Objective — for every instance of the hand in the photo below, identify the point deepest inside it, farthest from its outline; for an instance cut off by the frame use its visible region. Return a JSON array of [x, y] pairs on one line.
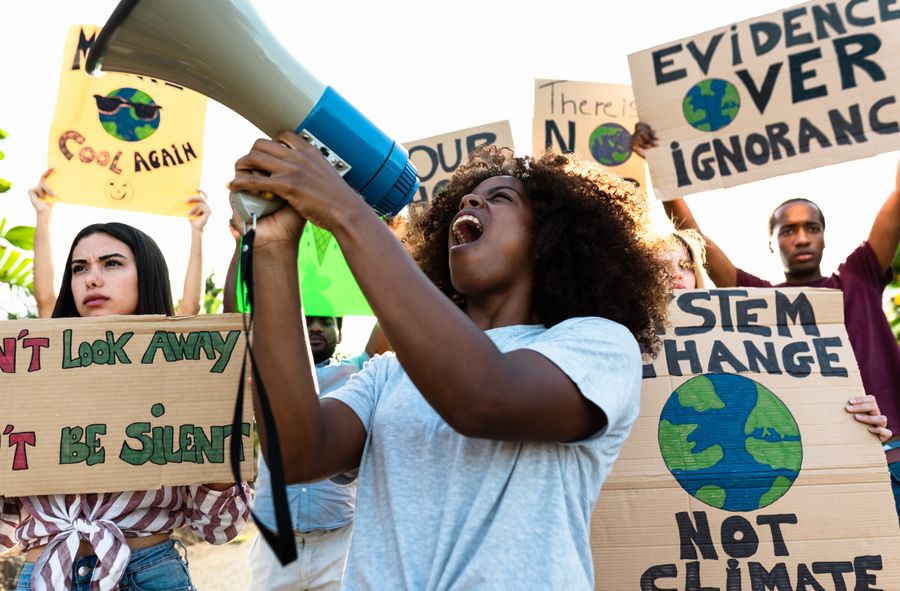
[[298, 173], [642, 138], [865, 410], [199, 214], [39, 195]]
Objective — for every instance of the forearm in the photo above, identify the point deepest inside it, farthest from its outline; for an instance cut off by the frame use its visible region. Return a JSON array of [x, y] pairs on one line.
[[190, 298], [44, 294], [415, 316], [229, 290], [681, 214], [283, 361]]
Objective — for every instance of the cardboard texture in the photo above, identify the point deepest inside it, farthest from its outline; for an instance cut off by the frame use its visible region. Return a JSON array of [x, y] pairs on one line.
[[593, 120], [742, 474], [123, 141], [811, 85], [437, 158], [119, 403]]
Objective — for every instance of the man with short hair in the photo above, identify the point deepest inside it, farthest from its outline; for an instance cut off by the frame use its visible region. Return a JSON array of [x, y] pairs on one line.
[[797, 228]]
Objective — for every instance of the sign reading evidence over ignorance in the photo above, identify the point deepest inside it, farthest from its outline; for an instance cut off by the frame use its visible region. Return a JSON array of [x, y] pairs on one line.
[[123, 141], [119, 403], [811, 85], [744, 472]]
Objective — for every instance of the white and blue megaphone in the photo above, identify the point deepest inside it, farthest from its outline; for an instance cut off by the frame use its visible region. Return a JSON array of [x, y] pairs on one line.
[[221, 49]]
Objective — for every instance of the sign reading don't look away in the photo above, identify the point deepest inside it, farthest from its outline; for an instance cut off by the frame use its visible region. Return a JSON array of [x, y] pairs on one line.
[[744, 472], [119, 403]]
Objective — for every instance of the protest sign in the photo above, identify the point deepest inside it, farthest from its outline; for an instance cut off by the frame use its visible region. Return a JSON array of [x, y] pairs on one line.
[[590, 119], [804, 87], [123, 141], [119, 403], [744, 471], [437, 158]]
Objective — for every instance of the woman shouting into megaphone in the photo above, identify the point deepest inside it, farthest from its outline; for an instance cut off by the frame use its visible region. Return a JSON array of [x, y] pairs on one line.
[[481, 445]]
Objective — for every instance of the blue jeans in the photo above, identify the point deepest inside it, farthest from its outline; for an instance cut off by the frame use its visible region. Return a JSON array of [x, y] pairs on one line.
[[157, 568], [894, 469]]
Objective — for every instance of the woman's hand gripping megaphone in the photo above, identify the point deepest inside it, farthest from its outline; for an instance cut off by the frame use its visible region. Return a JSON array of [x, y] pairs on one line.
[[297, 172]]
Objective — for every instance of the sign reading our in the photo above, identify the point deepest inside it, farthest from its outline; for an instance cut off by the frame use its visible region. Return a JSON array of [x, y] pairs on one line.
[[590, 119], [123, 141], [811, 85], [743, 471], [437, 158], [119, 403]]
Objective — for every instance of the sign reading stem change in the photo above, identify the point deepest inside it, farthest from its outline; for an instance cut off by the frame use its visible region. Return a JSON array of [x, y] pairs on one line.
[[122, 141], [437, 158], [119, 403], [590, 119], [744, 472], [808, 86]]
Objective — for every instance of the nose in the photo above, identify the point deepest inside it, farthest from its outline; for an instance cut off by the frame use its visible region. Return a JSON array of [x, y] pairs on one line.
[[801, 237], [93, 278], [472, 200]]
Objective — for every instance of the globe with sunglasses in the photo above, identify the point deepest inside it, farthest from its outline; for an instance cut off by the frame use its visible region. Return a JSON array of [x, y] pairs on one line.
[[128, 114]]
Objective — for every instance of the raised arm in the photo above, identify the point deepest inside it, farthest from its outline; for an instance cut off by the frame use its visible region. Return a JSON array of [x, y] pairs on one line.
[[885, 234], [721, 270], [193, 277], [44, 294], [478, 390]]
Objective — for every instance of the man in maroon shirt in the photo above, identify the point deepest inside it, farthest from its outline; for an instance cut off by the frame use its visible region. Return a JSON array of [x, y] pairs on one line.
[[797, 226]]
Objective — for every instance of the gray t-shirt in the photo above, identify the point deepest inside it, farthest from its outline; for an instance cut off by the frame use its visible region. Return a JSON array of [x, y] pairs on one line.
[[437, 510]]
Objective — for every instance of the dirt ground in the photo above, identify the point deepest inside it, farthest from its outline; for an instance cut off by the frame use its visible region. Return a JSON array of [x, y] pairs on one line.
[[213, 568]]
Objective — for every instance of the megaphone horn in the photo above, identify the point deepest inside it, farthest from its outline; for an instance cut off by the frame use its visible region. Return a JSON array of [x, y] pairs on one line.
[[220, 48]]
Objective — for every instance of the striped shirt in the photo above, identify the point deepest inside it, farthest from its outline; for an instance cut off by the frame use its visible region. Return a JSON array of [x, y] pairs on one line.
[[61, 522]]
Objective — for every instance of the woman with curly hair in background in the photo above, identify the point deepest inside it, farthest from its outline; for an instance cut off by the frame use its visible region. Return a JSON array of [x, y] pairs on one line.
[[482, 444]]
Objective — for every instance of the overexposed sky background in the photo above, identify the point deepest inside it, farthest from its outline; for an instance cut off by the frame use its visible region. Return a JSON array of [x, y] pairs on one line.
[[419, 69]]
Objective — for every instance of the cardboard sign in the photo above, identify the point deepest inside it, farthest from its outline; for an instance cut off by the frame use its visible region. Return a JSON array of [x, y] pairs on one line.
[[744, 471], [437, 158], [119, 403], [807, 86], [123, 141], [590, 119]]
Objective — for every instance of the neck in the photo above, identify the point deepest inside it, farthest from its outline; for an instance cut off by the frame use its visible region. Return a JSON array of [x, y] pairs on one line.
[[501, 309], [803, 276]]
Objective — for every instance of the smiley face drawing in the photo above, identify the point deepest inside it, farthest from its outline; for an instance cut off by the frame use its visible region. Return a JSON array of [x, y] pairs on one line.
[[117, 190]]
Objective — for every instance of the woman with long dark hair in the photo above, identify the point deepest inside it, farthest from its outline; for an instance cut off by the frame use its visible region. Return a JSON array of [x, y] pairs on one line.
[[84, 542]]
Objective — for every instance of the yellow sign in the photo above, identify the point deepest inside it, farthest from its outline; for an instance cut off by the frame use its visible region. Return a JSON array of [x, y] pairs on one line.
[[123, 141], [590, 119]]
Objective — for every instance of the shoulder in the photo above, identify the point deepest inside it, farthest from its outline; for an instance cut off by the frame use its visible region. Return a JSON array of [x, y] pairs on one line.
[[593, 340], [745, 279]]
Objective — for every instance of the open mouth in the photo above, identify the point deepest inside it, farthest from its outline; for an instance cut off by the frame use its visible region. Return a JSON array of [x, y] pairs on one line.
[[466, 229]]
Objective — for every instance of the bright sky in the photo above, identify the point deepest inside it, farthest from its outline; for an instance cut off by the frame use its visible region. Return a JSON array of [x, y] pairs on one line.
[[418, 71]]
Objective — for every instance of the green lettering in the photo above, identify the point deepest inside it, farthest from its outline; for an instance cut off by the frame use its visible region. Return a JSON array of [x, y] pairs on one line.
[[71, 449], [92, 438], [204, 341], [137, 456], [225, 348], [186, 444], [68, 362], [117, 347], [100, 352], [86, 354], [184, 348], [159, 342]]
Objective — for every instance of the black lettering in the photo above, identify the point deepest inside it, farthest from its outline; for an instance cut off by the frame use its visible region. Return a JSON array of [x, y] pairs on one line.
[[879, 126], [775, 522], [479, 139], [704, 58], [739, 539], [719, 355], [772, 33], [424, 177], [139, 162], [84, 46], [659, 63], [167, 159], [450, 167], [695, 537], [777, 579], [862, 565], [188, 151], [648, 579], [680, 168], [674, 357], [799, 91], [806, 580], [692, 578], [836, 570], [747, 321], [769, 360], [827, 14], [703, 169], [800, 310], [825, 358], [551, 133], [776, 133], [790, 26], [762, 95], [757, 149], [855, 20], [735, 156], [686, 304], [794, 364], [868, 44], [885, 12], [809, 131], [845, 130]]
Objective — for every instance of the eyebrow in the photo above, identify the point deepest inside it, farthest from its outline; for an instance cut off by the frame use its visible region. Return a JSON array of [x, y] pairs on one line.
[[102, 258]]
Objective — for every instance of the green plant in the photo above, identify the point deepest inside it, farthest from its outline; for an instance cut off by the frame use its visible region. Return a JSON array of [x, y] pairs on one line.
[[212, 296], [16, 262], [4, 184]]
